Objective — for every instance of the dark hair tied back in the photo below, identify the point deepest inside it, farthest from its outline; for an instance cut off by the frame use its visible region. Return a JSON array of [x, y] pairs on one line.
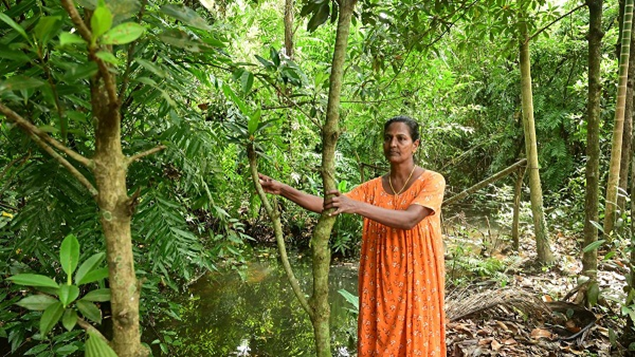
[[413, 126]]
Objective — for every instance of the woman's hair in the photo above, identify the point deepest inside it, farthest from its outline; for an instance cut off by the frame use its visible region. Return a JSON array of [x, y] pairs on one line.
[[413, 126]]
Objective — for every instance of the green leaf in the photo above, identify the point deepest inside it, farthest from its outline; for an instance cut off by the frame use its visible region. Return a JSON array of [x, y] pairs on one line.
[[33, 280], [593, 246], [69, 319], [100, 22], [50, 317], [89, 310], [87, 266], [254, 120], [68, 294], [94, 275], [319, 17], [274, 56], [6, 19], [67, 38], [97, 347], [99, 295], [107, 57], [186, 15], [69, 256], [36, 349], [65, 350], [157, 70], [246, 81], [46, 27], [36, 302], [123, 33], [17, 83]]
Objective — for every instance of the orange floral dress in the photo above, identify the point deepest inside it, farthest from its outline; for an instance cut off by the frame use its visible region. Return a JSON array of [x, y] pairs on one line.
[[401, 275]]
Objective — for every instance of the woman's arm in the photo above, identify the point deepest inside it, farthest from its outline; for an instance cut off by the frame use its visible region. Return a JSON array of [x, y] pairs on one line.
[[407, 219], [310, 202]]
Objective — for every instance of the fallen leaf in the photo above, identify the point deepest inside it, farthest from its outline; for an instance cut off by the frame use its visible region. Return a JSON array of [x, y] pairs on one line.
[[540, 333], [496, 345]]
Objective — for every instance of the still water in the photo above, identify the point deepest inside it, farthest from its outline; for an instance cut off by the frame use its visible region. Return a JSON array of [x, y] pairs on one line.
[[253, 312]]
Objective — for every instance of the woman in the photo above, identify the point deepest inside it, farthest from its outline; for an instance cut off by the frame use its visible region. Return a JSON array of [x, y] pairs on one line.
[[401, 275]]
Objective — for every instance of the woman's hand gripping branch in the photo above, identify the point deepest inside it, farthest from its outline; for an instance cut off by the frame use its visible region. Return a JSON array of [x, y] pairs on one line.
[[340, 203]]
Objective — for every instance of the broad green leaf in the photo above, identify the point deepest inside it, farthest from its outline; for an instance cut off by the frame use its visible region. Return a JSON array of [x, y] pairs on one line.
[[186, 15], [68, 294], [87, 266], [123, 33], [100, 22], [46, 27], [99, 295], [69, 319], [67, 38], [593, 246], [89, 310], [18, 83], [36, 302], [80, 71], [69, 256], [33, 280], [65, 350], [107, 57], [319, 17], [6, 19], [97, 347], [94, 275], [50, 317], [254, 120], [36, 349], [246, 81], [181, 40]]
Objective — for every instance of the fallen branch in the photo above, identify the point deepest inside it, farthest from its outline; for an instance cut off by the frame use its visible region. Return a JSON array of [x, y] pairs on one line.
[[140, 155], [499, 175], [465, 304]]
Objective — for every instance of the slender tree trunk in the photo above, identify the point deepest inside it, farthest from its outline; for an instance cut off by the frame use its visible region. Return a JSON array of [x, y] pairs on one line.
[[288, 28], [330, 132], [589, 259], [616, 148], [540, 226], [518, 191], [627, 140], [115, 214]]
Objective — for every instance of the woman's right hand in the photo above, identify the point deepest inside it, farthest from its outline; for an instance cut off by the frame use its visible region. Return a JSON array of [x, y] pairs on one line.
[[270, 185]]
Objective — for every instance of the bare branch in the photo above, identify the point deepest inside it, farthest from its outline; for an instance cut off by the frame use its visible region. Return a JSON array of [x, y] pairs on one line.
[[140, 155], [78, 175], [69, 6], [556, 20], [109, 80], [32, 129]]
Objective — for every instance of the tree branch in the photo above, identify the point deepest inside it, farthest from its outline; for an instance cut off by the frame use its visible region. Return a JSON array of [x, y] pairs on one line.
[[83, 30], [140, 155], [78, 175], [109, 81], [32, 129], [556, 20]]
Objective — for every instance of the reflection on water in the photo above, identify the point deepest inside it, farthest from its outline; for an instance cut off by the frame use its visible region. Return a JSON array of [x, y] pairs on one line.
[[258, 315]]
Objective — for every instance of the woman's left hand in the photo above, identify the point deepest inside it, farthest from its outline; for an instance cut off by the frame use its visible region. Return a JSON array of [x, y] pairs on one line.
[[342, 204]]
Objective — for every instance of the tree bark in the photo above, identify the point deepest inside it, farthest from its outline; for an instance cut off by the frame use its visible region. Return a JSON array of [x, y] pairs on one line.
[[288, 28], [540, 226], [592, 174], [627, 136], [616, 147], [320, 249], [518, 191]]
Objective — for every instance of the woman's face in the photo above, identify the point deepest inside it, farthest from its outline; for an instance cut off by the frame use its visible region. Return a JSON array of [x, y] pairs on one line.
[[398, 144]]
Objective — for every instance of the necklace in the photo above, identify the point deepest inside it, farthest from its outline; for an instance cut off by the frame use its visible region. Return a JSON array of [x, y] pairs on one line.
[[404, 185]]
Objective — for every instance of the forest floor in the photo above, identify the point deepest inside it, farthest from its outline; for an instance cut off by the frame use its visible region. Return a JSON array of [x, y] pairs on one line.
[[498, 328]]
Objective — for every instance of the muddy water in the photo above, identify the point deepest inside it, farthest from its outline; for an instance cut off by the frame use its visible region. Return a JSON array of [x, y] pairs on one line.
[[253, 312]]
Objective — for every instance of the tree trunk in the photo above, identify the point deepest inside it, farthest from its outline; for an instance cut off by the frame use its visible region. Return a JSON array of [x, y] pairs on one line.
[[616, 148], [288, 28], [320, 241], [589, 259], [115, 214], [518, 191], [627, 136], [535, 189]]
